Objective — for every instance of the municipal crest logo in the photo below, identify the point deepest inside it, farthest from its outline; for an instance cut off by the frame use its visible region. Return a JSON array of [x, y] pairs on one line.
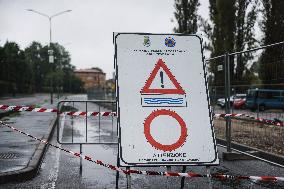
[[170, 42], [147, 41]]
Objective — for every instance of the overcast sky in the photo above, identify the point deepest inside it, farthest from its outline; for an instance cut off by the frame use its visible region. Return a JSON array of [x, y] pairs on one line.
[[87, 31]]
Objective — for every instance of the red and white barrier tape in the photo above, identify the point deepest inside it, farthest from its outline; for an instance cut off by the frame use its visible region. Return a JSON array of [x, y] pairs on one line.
[[71, 113], [173, 174], [252, 117]]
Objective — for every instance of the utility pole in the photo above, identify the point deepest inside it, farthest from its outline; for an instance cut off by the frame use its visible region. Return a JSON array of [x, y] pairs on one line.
[[50, 51]]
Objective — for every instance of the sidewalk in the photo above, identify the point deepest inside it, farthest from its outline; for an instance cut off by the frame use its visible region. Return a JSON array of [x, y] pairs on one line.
[[20, 156]]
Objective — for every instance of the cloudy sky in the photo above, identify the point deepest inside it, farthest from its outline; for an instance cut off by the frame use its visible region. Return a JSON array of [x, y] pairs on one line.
[[87, 31]]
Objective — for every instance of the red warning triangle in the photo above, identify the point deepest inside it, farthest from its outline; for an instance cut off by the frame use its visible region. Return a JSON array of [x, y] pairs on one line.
[[160, 64]]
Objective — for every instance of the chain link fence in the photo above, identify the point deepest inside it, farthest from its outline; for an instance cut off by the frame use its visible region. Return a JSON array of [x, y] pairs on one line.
[[252, 83]]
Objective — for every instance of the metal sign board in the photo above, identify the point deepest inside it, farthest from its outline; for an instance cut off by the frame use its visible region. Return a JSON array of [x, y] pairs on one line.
[[163, 108]]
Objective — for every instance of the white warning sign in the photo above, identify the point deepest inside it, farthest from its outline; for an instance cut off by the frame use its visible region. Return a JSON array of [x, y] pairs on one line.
[[163, 108]]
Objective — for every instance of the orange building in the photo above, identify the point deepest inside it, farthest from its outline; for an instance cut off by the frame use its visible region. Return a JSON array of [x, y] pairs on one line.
[[92, 78]]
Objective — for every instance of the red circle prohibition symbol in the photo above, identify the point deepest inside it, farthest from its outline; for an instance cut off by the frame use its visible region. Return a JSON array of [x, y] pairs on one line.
[[153, 142]]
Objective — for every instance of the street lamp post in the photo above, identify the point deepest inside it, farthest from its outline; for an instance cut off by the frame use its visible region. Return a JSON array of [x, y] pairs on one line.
[[50, 51]]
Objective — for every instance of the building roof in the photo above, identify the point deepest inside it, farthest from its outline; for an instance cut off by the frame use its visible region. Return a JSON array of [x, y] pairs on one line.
[[92, 70]]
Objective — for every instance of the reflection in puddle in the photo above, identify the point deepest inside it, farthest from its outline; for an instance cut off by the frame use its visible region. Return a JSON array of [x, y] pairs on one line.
[[75, 130]]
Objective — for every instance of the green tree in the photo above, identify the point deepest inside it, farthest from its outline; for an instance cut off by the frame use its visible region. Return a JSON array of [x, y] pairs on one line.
[[272, 59], [222, 34], [30, 71], [245, 36], [10, 60], [233, 30], [4, 85], [186, 16], [62, 72], [33, 55], [16, 71]]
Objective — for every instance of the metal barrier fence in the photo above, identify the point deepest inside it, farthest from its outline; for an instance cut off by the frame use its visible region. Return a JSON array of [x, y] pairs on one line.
[[231, 76], [74, 130], [269, 138], [78, 129]]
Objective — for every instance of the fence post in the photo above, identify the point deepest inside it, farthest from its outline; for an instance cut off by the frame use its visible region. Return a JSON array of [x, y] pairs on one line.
[[117, 173], [99, 122], [234, 97], [227, 100], [86, 122], [81, 160], [169, 169], [128, 178], [182, 178], [208, 173]]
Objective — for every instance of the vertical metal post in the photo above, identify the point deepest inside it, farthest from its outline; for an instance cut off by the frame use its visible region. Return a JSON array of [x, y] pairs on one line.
[[169, 169], [99, 123], [51, 91], [210, 96], [57, 121], [58, 91], [50, 30], [112, 126], [80, 159], [229, 95], [182, 178], [117, 174], [226, 81], [214, 100], [227, 101], [72, 124], [51, 84], [215, 95], [257, 111], [234, 96], [86, 122], [209, 177], [128, 177]]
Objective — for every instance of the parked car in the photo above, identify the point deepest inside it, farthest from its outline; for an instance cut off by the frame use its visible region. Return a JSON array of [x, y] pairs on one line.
[[233, 99], [265, 99], [240, 103]]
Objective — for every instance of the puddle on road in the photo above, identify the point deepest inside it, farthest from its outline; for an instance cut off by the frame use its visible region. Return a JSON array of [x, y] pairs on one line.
[[103, 130]]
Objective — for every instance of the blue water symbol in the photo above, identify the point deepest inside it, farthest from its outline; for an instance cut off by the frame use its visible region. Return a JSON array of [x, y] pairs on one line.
[[175, 101]]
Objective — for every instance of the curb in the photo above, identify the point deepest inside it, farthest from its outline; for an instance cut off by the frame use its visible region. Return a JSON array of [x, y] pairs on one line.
[[5, 114], [260, 153], [33, 166]]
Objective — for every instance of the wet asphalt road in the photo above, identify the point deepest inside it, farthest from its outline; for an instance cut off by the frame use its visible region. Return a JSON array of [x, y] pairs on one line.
[[20, 149], [62, 170], [38, 99]]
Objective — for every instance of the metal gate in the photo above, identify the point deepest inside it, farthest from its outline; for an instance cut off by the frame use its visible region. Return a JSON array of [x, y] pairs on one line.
[[85, 122]]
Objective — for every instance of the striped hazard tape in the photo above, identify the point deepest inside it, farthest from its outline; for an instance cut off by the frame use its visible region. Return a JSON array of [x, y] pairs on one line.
[[71, 113], [267, 121], [171, 174], [79, 113]]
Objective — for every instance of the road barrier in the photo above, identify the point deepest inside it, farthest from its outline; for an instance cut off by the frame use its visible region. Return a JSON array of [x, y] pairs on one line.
[[166, 173]]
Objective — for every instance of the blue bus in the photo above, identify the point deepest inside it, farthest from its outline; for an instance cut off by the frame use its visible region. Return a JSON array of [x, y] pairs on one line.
[[265, 99]]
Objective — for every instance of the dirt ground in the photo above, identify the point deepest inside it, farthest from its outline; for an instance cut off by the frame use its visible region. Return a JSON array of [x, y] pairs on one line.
[[265, 137]]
